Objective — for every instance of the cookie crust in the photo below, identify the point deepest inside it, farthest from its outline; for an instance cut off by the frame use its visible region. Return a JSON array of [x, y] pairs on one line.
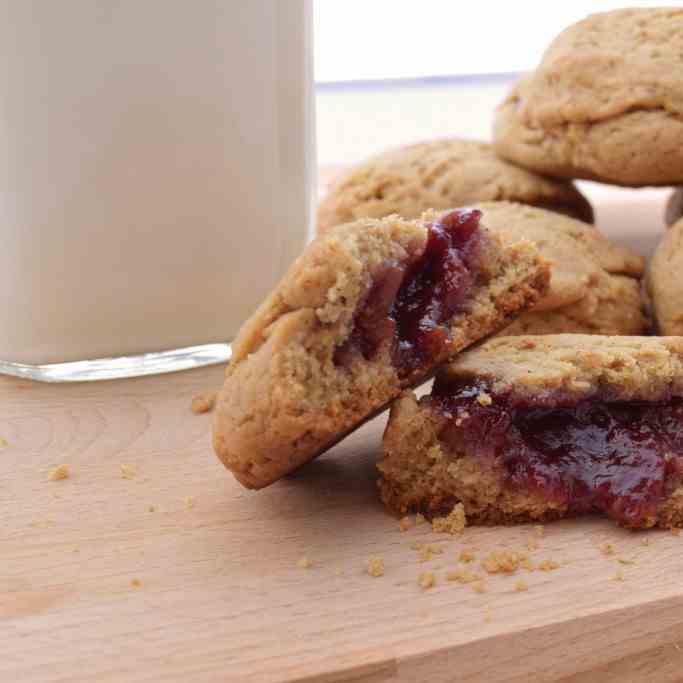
[[285, 400]]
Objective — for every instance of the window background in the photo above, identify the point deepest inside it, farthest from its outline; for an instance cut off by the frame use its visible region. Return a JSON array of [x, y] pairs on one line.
[[386, 39]]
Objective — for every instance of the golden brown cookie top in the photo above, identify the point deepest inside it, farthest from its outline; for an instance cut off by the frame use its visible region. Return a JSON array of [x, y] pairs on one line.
[[578, 253], [441, 174], [607, 65], [665, 282], [612, 368]]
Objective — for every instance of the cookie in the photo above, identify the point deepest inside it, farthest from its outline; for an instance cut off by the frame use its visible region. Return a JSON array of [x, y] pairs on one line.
[[539, 428], [368, 309], [605, 103], [665, 283], [674, 206], [442, 174], [595, 285]]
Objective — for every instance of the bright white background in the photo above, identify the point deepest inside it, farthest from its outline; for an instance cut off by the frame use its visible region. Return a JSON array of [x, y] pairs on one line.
[[378, 39]]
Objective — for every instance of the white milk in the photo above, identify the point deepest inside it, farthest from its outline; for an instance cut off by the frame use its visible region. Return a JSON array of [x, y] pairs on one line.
[[155, 161]]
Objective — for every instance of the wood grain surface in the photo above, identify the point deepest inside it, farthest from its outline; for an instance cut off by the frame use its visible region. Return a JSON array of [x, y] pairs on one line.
[[179, 574]]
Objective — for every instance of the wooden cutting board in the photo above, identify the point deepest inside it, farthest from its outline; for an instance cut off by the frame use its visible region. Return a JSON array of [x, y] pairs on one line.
[[179, 574]]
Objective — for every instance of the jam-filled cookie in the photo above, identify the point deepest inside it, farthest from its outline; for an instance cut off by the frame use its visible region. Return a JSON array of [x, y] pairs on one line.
[[367, 310], [538, 428], [440, 175], [595, 285], [665, 282], [605, 103]]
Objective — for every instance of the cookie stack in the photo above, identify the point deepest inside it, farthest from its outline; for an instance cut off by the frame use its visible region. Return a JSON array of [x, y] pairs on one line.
[[568, 407]]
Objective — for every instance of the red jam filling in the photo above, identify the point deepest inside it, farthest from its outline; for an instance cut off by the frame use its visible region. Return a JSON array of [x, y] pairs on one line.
[[621, 458], [410, 306]]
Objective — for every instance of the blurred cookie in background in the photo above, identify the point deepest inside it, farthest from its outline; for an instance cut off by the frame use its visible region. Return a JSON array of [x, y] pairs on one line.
[[441, 174]]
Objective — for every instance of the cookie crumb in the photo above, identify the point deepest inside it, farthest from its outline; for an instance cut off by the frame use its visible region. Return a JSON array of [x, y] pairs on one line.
[[608, 549], [204, 403], [406, 523], [502, 562], [151, 508], [426, 580], [128, 471], [428, 551], [539, 531], [521, 586], [420, 519], [675, 531], [619, 576], [376, 566], [624, 560], [484, 399], [548, 565], [3, 443], [479, 587], [453, 524], [136, 583], [467, 556], [43, 523], [59, 472], [526, 563], [488, 615], [304, 563], [462, 575], [188, 501]]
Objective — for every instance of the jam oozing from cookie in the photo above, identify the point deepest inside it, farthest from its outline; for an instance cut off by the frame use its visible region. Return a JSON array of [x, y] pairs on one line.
[[620, 458], [411, 305]]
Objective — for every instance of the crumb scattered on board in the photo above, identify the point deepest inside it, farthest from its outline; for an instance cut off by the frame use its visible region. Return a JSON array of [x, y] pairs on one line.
[[548, 565], [454, 523], [406, 523], [189, 502], [521, 586], [59, 472], [151, 508], [466, 556], [136, 583], [204, 403], [479, 587], [426, 580], [427, 551], [128, 471], [619, 576], [503, 562], [488, 615], [462, 575], [304, 563], [375, 566], [3, 443]]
